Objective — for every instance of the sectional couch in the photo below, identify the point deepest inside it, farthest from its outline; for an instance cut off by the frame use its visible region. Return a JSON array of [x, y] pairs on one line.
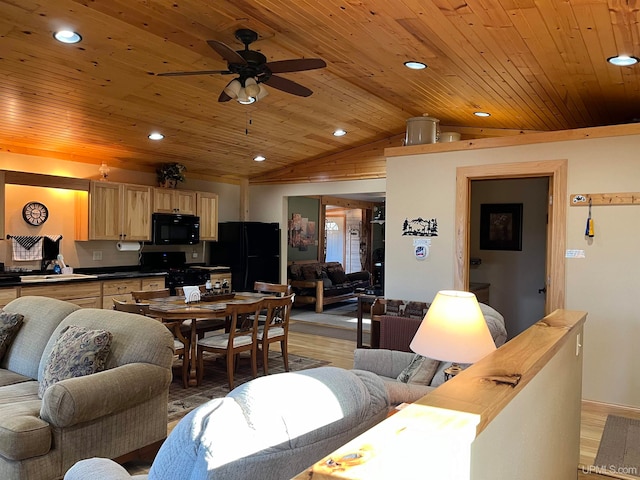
[[110, 413]]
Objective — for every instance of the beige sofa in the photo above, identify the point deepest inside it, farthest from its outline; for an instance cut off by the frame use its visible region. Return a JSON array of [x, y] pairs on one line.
[[109, 414]]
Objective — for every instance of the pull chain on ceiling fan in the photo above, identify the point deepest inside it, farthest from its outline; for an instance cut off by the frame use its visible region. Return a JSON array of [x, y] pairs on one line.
[[253, 71]]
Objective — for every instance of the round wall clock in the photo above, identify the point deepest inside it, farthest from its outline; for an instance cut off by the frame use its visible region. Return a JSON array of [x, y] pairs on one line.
[[35, 213]]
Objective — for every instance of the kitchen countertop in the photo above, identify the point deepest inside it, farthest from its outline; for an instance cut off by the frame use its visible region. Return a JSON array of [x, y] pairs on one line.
[[98, 277]]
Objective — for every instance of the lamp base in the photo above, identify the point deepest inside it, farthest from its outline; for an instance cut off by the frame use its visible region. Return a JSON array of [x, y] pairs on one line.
[[452, 371]]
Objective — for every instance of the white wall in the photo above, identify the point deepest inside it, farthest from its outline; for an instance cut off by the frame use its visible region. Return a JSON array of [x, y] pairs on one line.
[[604, 283]]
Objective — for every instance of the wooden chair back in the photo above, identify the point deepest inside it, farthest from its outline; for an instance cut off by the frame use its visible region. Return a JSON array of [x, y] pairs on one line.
[[275, 328], [139, 308], [278, 312], [140, 295], [264, 287]]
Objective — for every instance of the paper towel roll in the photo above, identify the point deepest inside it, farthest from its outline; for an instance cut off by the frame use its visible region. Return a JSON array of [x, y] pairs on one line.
[[128, 246]]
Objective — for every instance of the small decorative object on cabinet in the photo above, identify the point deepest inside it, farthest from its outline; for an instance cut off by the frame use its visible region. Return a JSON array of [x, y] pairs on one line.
[[169, 174]]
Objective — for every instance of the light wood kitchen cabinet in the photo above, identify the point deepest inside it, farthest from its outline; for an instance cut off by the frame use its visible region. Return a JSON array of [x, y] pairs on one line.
[[119, 289], [119, 211], [153, 283], [169, 200], [208, 213], [7, 294], [83, 294]]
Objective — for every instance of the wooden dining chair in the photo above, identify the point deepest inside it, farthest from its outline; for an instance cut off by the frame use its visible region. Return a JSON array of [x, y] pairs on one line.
[[241, 337], [141, 295], [139, 308], [275, 328], [181, 341], [264, 287]]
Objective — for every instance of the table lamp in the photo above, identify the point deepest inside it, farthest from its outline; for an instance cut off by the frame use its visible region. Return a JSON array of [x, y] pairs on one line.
[[453, 330]]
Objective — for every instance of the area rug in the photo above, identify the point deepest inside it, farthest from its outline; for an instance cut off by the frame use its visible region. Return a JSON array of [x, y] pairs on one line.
[[619, 450], [340, 333], [344, 315], [183, 400]]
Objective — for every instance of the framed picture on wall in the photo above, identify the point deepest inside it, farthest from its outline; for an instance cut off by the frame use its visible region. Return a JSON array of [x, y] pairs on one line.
[[501, 226]]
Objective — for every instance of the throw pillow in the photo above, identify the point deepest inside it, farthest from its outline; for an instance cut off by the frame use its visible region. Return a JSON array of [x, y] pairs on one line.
[[337, 276], [421, 370], [78, 351], [394, 307], [311, 272], [10, 323], [415, 309]]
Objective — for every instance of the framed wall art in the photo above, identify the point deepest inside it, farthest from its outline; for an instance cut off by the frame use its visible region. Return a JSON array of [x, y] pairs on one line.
[[501, 226]]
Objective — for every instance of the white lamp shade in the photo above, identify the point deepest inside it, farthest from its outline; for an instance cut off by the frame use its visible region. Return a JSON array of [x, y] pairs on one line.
[[251, 87], [263, 92], [454, 329], [232, 88]]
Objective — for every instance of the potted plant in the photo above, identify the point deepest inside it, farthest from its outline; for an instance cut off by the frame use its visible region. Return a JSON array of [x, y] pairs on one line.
[[169, 174]]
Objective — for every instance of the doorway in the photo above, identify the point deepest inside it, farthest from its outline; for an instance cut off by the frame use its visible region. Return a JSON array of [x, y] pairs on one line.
[[513, 271], [556, 171]]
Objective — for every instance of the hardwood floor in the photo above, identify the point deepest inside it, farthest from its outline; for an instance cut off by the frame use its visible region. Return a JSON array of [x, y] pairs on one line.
[[339, 353]]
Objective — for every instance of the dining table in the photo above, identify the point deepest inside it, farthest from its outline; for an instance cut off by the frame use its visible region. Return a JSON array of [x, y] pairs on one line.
[[174, 309]]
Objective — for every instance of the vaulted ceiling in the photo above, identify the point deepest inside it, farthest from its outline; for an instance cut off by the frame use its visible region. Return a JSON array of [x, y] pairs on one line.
[[533, 64]]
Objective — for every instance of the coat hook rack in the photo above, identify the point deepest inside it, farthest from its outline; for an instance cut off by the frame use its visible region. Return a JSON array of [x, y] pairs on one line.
[[586, 199]]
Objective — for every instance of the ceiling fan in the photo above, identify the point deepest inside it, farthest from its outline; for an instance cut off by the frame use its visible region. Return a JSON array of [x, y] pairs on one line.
[[253, 70]]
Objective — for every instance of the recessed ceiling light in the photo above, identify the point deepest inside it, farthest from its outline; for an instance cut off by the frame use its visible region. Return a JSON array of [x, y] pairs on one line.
[[413, 65], [339, 133], [259, 158], [67, 36], [482, 114], [622, 60], [156, 136]]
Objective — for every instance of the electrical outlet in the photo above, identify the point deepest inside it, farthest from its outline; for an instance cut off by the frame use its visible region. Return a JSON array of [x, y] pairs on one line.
[[194, 255], [97, 255]]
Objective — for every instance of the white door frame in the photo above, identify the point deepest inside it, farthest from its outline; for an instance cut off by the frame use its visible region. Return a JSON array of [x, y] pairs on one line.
[[556, 170]]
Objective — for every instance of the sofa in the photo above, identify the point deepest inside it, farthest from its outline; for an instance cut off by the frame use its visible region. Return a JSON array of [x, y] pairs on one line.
[[324, 283], [270, 428], [392, 365], [111, 413]]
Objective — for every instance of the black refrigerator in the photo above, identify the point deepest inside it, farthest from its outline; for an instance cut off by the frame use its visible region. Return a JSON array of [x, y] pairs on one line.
[[251, 250]]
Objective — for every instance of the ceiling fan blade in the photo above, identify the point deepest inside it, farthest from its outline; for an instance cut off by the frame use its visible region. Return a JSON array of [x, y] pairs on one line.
[[200, 72], [230, 55], [296, 65], [224, 97], [288, 86]]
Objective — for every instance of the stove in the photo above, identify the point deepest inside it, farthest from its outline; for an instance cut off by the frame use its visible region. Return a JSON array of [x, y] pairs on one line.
[[179, 273]]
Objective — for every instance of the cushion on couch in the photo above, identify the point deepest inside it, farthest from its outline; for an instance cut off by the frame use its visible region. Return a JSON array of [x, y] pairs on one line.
[[10, 323], [421, 370], [337, 275], [78, 351]]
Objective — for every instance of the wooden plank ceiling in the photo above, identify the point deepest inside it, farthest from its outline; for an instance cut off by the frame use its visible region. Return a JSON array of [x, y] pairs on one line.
[[533, 64]]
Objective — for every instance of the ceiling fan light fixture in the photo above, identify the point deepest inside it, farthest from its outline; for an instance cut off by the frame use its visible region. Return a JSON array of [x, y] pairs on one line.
[[414, 65], [263, 92], [623, 60], [245, 99]]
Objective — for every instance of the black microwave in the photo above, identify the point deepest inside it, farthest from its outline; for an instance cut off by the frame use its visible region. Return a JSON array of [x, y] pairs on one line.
[[170, 229]]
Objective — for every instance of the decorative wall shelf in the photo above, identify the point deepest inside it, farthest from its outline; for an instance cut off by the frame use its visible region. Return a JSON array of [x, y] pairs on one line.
[[583, 199]]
